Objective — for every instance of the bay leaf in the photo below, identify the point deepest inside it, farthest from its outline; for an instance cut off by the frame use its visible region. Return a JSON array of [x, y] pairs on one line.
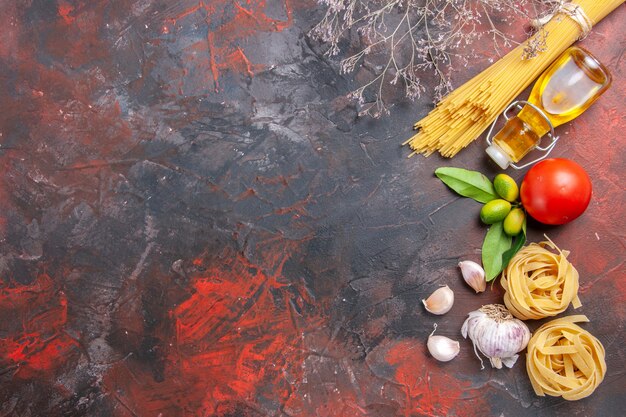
[[496, 243], [471, 184]]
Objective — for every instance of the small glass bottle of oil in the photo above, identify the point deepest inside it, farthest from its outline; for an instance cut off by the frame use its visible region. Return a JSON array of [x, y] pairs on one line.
[[565, 90]]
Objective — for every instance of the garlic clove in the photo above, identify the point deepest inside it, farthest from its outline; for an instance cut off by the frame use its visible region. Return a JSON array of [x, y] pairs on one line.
[[440, 301], [442, 348], [474, 275], [509, 362]]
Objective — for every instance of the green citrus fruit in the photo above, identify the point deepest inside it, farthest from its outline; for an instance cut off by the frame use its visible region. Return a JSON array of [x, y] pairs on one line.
[[513, 222], [495, 211], [506, 187]]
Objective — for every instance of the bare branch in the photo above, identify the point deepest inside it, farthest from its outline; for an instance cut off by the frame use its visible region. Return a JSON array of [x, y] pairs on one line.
[[418, 38]]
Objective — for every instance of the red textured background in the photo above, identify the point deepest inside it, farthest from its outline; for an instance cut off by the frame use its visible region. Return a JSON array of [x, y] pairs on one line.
[[195, 222]]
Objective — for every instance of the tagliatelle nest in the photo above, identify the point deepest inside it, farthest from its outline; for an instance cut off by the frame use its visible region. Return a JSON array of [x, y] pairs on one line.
[[540, 282], [564, 360]]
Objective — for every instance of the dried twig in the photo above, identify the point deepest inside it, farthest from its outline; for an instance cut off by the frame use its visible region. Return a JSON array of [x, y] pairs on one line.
[[416, 37]]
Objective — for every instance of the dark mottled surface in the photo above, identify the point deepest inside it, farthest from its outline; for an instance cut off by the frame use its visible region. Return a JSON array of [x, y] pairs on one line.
[[194, 222]]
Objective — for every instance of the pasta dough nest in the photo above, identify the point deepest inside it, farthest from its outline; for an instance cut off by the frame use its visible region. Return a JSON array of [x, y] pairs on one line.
[[564, 360], [540, 283]]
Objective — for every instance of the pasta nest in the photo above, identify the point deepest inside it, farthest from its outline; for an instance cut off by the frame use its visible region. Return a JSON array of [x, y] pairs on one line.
[[540, 282], [564, 360]]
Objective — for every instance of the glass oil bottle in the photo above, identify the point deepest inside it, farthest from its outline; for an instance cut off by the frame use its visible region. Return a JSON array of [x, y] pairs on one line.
[[565, 90]]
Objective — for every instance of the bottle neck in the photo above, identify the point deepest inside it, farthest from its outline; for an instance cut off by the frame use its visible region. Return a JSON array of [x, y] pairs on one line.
[[534, 120], [515, 139]]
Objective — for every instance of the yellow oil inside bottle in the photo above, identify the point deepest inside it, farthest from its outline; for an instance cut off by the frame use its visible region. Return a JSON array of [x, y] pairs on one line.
[[565, 90]]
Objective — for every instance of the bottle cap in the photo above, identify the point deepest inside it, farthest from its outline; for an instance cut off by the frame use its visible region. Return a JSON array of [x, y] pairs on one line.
[[498, 156]]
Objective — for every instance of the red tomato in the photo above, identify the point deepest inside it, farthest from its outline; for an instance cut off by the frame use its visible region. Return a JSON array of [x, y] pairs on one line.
[[556, 191]]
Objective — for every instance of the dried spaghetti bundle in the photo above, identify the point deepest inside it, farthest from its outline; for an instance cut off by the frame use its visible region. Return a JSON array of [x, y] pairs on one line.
[[466, 112], [564, 360], [540, 282]]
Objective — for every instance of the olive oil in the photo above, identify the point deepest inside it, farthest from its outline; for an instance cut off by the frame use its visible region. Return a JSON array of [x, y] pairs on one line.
[[565, 90]]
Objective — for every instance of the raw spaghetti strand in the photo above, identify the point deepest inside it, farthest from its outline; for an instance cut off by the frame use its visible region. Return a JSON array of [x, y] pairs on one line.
[[540, 282], [564, 360], [466, 112]]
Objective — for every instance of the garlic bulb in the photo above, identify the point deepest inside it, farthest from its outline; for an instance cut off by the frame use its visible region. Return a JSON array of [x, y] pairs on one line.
[[440, 301], [442, 348], [474, 275], [496, 334]]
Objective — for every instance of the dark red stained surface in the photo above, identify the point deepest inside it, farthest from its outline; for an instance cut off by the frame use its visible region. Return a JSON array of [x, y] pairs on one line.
[[194, 222]]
